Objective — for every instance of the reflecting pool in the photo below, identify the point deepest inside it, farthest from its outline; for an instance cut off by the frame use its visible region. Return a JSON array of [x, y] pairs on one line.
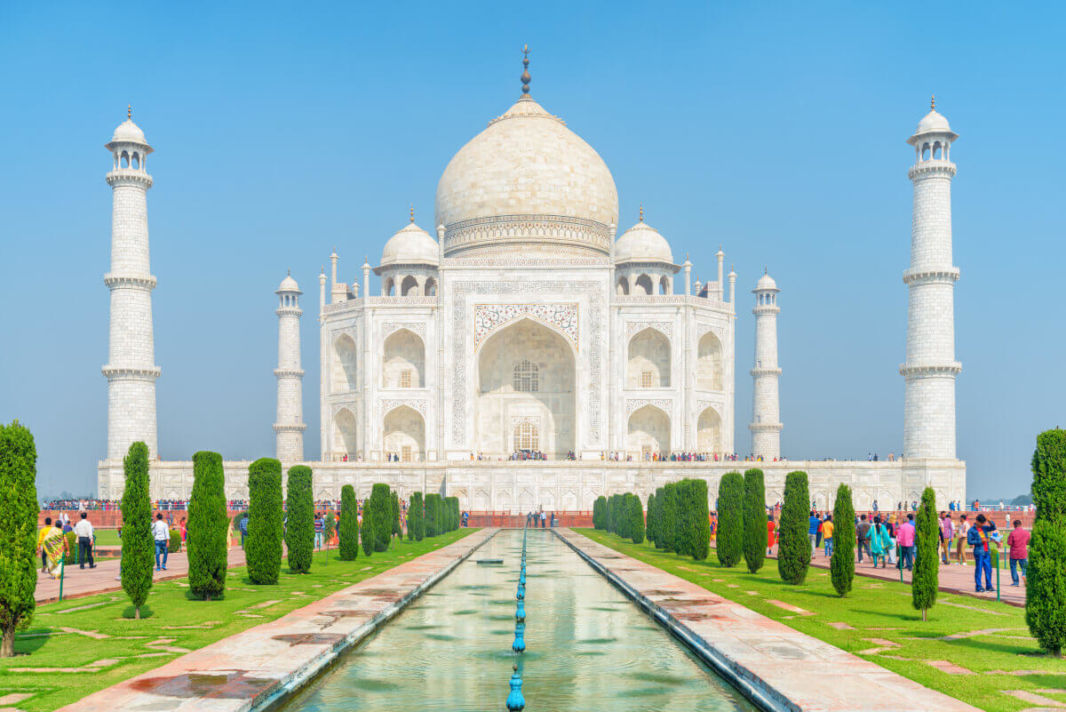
[[588, 647]]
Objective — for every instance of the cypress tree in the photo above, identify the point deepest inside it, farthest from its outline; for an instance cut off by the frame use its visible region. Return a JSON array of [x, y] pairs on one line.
[[618, 516], [657, 519], [794, 547], [416, 517], [348, 527], [138, 547], [842, 563], [926, 560], [433, 514], [397, 530], [300, 522], [380, 505], [1045, 594], [597, 512], [454, 513], [635, 525], [265, 521], [649, 525], [694, 533], [668, 528], [207, 532], [755, 534], [18, 537], [730, 519], [366, 531]]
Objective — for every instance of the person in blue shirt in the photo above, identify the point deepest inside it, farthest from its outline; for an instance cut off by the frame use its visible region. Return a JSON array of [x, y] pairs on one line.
[[815, 523]]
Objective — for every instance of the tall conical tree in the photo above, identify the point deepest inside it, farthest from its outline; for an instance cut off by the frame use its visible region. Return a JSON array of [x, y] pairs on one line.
[[348, 527], [380, 505], [927, 562], [649, 526], [366, 529], [207, 533], [670, 520], [265, 521], [730, 542], [137, 542], [416, 517], [18, 538], [755, 534], [794, 547], [842, 564], [394, 498], [300, 519], [1045, 590]]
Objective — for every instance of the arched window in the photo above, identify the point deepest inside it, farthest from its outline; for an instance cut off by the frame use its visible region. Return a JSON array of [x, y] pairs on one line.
[[664, 285], [125, 160], [431, 287], [644, 285], [623, 286], [936, 150], [136, 162], [409, 286], [526, 377], [526, 437]]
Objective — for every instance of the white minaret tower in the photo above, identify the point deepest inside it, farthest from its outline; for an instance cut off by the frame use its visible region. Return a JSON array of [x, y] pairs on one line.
[[290, 424], [766, 404], [931, 368], [131, 371]]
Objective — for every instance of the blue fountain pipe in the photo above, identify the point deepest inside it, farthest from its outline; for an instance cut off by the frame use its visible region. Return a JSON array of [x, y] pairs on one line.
[[515, 701], [520, 613], [519, 645]]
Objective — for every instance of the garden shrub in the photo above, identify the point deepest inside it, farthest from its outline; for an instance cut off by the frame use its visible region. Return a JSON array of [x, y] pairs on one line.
[[378, 508], [794, 547], [366, 530], [454, 514], [649, 524], [927, 559], [696, 520], [416, 517], [174, 545], [730, 541], [433, 515], [1045, 594], [670, 509], [265, 522], [300, 519], [18, 538], [635, 519], [138, 545], [842, 563], [207, 528], [755, 534], [397, 530], [599, 513], [348, 527]]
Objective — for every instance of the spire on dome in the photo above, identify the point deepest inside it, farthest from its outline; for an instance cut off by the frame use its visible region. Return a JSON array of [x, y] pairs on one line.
[[412, 212], [932, 102], [129, 111], [642, 212], [525, 70]]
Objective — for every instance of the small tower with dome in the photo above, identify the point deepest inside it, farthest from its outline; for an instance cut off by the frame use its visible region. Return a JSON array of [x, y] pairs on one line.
[[766, 404], [931, 369], [409, 263], [289, 426], [131, 371]]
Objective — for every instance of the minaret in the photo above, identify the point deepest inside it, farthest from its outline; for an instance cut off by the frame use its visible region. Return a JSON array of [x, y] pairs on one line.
[[131, 371], [766, 404], [290, 424], [931, 368]]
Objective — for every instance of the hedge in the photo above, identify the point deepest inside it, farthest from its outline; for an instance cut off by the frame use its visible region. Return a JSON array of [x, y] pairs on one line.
[[599, 513], [366, 529], [138, 545], [18, 535], [265, 521], [454, 515], [416, 517], [300, 519], [397, 529], [433, 515], [730, 540], [378, 508], [649, 525], [927, 560], [755, 533], [794, 547], [842, 563], [696, 519], [666, 528], [1045, 593], [348, 526], [634, 518]]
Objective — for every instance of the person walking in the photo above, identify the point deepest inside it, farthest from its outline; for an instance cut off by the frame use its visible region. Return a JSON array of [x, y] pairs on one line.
[[905, 537], [960, 536], [161, 534], [320, 530], [947, 533], [543, 519], [890, 529], [1018, 541], [42, 534], [862, 536], [770, 532], [827, 535], [84, 531], [878, 542], [242, 525], [978, 538], [814, 524]]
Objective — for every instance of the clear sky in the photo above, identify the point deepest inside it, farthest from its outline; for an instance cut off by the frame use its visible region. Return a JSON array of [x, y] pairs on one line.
[[776, 130]]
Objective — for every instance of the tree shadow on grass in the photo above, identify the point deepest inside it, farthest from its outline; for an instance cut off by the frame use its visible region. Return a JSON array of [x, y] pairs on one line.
[[130, 611], [1048, 680], [1009, 648], [909, 618], [190, 596], [30, 645]]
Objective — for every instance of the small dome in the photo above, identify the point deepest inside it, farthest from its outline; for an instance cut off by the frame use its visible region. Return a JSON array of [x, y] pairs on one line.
[[289, 285], [129, 132], [933, 121], [766, 282], [411, 245], [642, 243]]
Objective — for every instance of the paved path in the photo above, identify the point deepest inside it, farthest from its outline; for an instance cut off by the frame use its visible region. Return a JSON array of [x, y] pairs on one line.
[[247, 670], [954, 578], [789, 669], [78, 582]]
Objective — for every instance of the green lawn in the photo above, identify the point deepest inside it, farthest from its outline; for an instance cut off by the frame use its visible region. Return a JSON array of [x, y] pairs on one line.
[[989, 639], [103, 645]]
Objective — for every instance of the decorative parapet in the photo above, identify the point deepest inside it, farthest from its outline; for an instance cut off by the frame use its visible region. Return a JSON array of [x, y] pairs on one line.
[[490, 317]]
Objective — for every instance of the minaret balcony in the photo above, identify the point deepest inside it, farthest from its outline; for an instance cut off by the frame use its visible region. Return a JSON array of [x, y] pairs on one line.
[[129, 280], [925, 276], [932, 168], [289, 372], [129, 176], [930, 370]]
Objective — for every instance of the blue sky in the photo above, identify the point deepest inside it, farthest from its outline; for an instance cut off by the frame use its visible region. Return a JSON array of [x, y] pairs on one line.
[[774, 129]]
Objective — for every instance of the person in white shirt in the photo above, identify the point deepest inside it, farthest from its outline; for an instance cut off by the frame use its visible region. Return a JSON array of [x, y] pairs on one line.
[[84, 531], [161, 534]]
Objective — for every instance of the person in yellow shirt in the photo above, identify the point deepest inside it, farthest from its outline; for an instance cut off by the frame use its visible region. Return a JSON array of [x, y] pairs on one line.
[[827, 535], [40, 543]]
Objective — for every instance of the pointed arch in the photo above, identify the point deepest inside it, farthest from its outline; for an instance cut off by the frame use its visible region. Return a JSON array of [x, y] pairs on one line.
[[709, 363], [404, 434], [344, 434], [644, 285], [409, 286], [709, 431], [344, 371], [649, 432], [404, 361], [649, 360]]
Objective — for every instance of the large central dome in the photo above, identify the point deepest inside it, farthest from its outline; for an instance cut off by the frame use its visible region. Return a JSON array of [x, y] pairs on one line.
[[526, 182]]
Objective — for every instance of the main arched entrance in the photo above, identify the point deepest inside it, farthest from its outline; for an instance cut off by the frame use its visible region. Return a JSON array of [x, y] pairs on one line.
[[525, 398]]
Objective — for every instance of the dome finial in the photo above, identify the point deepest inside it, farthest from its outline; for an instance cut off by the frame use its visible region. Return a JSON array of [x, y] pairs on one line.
[[932, 102], [525, 70], [129, 112], [642, 212], [412, 212]]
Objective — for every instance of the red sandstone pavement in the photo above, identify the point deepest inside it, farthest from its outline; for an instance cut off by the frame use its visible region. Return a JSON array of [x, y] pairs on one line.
[[247, 669], [810, 674], [78, 582]]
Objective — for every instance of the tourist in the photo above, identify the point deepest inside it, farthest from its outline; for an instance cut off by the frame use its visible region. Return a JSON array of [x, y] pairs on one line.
[[905, 538], [242, 525], [978, 538], [770, 531], [543, 518], [320, 530], [84, 532], [161, 534], [54, 549], [41, 534], [890, 529], [827, 535], [961, 533], [877, 542], [182, 526], [875, 506], [947, 533], [1018, 541], [862, 537], [812, 531]]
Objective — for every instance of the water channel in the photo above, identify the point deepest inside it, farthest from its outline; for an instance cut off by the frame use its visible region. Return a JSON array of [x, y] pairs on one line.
[[588, 647]]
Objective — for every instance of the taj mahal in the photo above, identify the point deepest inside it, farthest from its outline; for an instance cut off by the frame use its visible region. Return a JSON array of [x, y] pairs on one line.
[[526, 351]]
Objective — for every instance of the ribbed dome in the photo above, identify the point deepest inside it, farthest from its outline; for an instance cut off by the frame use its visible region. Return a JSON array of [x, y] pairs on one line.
[[411, 245], [526, 178], [642, 243]]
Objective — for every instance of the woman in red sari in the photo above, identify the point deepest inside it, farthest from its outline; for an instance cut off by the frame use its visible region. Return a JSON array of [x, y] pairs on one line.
[[770, 531]]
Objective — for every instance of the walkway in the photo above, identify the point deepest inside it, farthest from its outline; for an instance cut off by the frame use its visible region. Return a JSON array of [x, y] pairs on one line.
[[78, 582], [789, 670], [248, 670]]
